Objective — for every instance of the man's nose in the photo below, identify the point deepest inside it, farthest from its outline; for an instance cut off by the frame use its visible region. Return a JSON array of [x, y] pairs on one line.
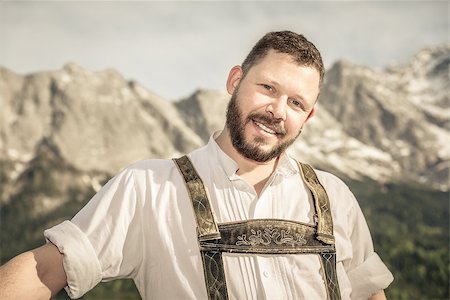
[[277, 108]]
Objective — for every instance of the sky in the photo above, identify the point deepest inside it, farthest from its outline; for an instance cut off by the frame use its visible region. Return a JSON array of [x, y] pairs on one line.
[[176, 47]]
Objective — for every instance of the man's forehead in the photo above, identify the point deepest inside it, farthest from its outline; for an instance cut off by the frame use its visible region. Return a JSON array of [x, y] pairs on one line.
[[276, 55], [280, 63]]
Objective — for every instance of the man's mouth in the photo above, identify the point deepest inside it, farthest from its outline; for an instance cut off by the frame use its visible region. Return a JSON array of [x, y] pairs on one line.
[[265, 128]]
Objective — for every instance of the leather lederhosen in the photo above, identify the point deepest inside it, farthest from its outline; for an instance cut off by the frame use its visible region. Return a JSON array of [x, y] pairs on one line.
[[261, 236]]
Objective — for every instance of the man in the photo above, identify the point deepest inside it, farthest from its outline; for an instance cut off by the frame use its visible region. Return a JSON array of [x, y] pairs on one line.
[[244, 221]]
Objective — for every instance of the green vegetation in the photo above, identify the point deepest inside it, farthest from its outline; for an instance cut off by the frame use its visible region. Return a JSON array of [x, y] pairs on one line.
[[410, 228], [123, 289], [409, 225]]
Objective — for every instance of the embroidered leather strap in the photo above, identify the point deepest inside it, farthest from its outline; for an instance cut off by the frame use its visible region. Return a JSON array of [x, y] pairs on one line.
[[328, 261], [206, 225], [322, 204], [207, 230], [267, 236], [216, 284], [324, 229], [263, 236]]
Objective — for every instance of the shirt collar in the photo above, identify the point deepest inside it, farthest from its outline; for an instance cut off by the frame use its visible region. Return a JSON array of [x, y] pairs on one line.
[[286, 165], [229, 166]]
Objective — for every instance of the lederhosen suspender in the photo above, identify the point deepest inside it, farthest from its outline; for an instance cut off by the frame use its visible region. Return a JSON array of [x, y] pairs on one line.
[[262, 236]]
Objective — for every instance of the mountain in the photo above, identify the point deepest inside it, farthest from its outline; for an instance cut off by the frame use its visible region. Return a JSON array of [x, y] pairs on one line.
[[390, 125], [204, 111], [64, 133], [403, 111], [332, 149], [97, 120]]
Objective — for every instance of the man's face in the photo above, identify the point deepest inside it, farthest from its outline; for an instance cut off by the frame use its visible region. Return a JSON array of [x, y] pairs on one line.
[[270, 105]]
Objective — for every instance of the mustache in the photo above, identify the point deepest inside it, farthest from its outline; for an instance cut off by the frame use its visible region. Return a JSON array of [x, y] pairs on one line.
[[272, 123]]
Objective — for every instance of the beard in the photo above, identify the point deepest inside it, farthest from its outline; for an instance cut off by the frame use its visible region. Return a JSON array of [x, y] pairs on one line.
[[253, 149]]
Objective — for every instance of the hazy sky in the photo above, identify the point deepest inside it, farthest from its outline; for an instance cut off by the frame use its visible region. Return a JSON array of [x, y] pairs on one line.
[[173, 48]]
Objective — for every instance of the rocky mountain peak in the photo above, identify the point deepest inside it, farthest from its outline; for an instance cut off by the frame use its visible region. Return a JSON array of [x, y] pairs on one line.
[[89, 115], [431, 62], [211, 105], [404, 112], [386, 125]]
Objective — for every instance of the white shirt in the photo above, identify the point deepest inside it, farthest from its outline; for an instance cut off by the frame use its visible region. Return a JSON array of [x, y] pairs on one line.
[[141, 225]]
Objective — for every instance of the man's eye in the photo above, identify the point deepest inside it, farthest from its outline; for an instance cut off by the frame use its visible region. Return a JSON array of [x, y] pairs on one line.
[[297, 103], [267, 87]]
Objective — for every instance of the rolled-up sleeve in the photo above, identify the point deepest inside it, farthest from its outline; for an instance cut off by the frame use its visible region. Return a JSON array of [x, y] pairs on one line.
[[369, 277], [100, 242], [366, 271], [80, 260]]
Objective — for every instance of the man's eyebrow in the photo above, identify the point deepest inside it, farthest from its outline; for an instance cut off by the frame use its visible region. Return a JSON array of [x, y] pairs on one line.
[[300, 97], [273, 82], [296, 96]]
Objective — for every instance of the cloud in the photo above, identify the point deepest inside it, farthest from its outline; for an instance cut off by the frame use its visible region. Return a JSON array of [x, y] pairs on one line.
[[175, 47]]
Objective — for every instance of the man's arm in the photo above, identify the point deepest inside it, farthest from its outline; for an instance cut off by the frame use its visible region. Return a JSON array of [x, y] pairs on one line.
[[378, 296], [36, 274]]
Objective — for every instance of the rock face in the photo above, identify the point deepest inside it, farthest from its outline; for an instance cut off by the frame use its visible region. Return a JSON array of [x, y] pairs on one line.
[[389, 125], [404, 112], [204, 111], [98, 120]]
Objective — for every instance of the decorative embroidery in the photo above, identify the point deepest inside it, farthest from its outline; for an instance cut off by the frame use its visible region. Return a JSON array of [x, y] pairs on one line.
[[271, 235], [329, 267], [262, 236]]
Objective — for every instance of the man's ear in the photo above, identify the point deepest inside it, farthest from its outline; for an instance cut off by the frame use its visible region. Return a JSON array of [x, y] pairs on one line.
[[311, 113], [234, 77]]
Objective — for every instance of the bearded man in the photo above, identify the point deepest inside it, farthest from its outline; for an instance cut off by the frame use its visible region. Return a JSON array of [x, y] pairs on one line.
[[236, 219]]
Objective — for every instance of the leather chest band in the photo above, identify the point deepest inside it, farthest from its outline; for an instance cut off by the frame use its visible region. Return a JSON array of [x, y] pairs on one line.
[[206, 224], [267, 236], [321, 202], [260, 236]]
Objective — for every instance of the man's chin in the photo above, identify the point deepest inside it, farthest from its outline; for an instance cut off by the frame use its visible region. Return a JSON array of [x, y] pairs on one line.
[[266, 143], [260, 153], [259, 148]]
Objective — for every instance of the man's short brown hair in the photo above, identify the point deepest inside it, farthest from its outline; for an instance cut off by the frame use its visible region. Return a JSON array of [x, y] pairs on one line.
[[302, 51]]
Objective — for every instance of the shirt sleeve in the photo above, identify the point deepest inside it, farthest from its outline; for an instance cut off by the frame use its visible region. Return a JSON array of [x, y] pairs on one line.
[[104, 239], [366, 272]]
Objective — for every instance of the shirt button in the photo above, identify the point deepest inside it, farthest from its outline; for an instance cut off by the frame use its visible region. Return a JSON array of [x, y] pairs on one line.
[[266, 274]]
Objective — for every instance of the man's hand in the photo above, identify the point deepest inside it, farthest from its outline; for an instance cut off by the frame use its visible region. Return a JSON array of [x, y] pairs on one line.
[[378, 296], [36, 274]]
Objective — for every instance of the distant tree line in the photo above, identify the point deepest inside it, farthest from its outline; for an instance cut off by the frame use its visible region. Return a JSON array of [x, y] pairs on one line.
[[409, 224]]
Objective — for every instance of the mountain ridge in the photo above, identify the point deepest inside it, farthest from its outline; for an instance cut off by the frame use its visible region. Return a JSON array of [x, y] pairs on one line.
[[369, 123], [64, 133]]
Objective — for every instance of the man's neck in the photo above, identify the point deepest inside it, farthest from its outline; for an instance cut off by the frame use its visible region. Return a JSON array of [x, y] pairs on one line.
[[253, 172]]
